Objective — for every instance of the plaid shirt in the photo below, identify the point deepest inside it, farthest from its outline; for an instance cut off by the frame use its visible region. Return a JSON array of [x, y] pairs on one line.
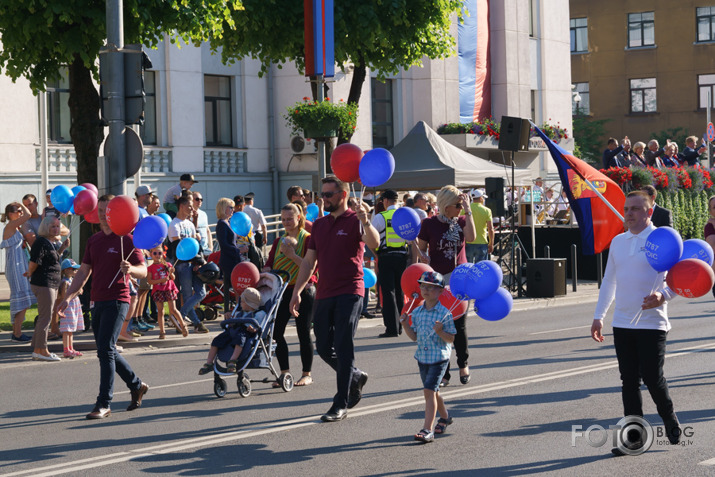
[[430, 347]]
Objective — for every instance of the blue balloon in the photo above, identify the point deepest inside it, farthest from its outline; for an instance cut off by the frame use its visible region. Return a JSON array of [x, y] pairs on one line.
[[406, 223], [663, 248], [484, 279], [458, 280], [369, 277], [311, 212], [240, 223], [187, 249], [376, 167], [62, 198], [150, 232], [496, 306], [165, 217], [698, 248]]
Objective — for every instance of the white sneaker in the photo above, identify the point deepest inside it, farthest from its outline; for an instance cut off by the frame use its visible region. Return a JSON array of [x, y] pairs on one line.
[[51, 357]]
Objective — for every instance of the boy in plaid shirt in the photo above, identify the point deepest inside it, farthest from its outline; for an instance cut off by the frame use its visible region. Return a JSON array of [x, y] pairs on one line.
[[433, 329]]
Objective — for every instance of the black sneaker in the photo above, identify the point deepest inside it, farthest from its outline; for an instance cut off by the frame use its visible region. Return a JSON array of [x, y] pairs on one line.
[[23, 338]]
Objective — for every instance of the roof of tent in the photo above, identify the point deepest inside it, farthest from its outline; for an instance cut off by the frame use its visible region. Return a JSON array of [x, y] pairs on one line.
[[423, 160]]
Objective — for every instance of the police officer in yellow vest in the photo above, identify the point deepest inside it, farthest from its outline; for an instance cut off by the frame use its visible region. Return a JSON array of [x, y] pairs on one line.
[[391, 263]]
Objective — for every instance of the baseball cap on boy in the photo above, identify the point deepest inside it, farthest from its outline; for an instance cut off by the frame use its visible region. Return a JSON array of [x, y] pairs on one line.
[[68, 263], [432, 278]]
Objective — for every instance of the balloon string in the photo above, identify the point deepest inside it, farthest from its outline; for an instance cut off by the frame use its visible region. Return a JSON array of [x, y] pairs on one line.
[[362, 193], [75, 228], [637, 318], [117, 274]]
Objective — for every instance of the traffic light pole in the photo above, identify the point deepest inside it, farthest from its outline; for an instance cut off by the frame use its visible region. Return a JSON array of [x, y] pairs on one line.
[[115, 165]]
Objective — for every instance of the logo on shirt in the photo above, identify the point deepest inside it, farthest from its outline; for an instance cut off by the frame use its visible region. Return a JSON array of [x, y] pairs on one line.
[[111, 250], [341, 232]]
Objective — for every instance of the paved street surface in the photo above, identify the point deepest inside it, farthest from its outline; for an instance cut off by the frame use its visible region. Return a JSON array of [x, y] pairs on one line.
[[534, 376]]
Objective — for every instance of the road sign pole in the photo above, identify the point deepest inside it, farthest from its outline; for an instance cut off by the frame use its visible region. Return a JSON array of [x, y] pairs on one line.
[[115, 174], [709, 122]]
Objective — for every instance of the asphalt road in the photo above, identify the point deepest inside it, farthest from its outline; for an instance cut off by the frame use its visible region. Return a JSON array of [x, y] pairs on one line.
[[535, 375]]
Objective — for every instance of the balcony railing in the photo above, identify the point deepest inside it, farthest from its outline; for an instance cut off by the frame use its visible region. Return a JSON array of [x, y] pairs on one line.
[[224, 161]]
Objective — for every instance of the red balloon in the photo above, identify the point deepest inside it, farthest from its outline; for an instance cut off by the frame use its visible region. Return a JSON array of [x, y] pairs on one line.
[[409, 308], [92, 217], [345, 162], [410, 287], [90, 186], [244, 275], [448, 301], [691, 278], [85, 202], [122, 214]]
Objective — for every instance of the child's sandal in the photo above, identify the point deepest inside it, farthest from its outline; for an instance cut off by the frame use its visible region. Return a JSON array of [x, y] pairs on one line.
[[425, 435], [205, 369], [442, 424], [162, 336], [231, 366]]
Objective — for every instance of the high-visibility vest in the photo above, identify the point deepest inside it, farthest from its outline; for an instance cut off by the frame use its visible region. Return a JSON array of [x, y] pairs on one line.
[[389, 240]]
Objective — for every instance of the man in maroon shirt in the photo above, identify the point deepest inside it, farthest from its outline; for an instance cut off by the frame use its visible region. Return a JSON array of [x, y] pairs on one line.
[[336, 243], [110, 294]]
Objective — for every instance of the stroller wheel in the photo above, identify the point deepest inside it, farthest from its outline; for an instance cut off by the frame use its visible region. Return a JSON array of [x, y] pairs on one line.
[[286, 381], [210, 314], [220, 388], [200, 314], [244, 387]]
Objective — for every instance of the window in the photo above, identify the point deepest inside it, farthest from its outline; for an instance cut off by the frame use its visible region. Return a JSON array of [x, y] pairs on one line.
[[147, 131], [581, 104], [58, 110], [706, 83], [641, 29], [643, 95], [579, 35], [705, 21], [382, 122], [217, 110]]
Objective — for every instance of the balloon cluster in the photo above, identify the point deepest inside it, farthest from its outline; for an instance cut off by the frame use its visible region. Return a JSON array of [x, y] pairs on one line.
[[372, 168], [689, 263], [80, 200]]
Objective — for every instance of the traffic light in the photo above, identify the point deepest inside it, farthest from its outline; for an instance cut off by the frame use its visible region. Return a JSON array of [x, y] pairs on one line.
[[135, 62]]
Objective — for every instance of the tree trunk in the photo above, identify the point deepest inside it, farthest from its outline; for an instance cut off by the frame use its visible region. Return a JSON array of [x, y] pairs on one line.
[[359, 74], [86, 130]]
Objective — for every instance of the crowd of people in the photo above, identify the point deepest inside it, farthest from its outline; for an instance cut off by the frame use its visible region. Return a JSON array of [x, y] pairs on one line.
[[322, 262], [652, 154]]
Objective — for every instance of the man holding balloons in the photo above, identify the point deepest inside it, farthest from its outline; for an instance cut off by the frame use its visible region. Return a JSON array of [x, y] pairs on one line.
[[337, 243], [638, 289], [108, 251], [392, 261], [192, 288]]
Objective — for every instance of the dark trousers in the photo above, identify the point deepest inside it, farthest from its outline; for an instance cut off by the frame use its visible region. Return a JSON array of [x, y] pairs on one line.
[[226, 290], [390, 267], [303, 323], [334, 323], [641, 354], [107, 319], [461, 346]]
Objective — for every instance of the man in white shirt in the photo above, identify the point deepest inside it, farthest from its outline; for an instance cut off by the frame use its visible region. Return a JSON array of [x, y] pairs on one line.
[[143, 194], [421, 205], [639, 341], [191, 287], [260, 226], [202, 225]]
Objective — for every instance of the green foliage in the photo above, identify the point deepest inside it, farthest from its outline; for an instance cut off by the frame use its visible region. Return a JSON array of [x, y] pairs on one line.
[[640, 176], [308, 114], [690, 210], [52, 33], [677, 135], [588, 136]]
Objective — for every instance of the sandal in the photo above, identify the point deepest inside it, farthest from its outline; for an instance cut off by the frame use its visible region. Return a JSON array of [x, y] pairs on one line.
[[442, 424], [207, 368], [77, 353], [184, 332], [445, 382], [162, 336], [304, 381], [424, 435], [231, 366]]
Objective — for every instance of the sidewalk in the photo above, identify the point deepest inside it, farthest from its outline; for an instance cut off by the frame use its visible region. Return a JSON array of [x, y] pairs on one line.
[[84, 341]]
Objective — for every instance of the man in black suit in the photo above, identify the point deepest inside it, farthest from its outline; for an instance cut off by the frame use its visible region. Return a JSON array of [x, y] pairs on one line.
[[661, 216], [610, 153]]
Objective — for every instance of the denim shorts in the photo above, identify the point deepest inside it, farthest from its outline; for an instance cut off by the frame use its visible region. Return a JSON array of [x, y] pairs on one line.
[[432, 374]]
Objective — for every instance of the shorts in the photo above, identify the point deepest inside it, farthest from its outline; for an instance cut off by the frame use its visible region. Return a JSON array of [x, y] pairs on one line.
[[432, 374], [163, 296]]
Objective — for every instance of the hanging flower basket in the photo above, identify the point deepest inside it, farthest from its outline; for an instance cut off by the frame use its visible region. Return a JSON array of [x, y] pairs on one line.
[[321, 119], [321, 130]]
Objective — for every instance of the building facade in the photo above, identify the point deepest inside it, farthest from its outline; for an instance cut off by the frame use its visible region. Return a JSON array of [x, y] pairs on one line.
[[644, 66]]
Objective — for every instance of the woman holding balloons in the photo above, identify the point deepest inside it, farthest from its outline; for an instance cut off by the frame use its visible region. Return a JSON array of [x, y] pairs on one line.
[[441, 243], [287, 255], [230, 253]]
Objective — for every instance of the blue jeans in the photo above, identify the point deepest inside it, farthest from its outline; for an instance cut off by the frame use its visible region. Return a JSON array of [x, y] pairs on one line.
[[476, 252], [107, 319], [192, 290], [335, 321], [432, 374]]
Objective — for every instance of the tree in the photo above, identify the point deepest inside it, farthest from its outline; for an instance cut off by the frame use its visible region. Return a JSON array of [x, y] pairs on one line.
[[588, 136], [40, 37], [385, 36]]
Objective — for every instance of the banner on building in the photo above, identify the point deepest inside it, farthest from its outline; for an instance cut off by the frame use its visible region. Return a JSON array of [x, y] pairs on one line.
[[475, 83]]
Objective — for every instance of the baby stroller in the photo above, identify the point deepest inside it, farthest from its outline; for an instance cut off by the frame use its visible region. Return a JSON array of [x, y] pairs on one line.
[[212, 304], [260, 349]]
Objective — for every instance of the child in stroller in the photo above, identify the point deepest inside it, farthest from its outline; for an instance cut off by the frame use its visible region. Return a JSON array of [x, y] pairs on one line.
[[236, 334]]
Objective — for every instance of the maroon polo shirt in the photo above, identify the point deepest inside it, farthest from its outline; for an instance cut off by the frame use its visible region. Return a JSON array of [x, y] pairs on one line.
[[339, 248], [103, 254]]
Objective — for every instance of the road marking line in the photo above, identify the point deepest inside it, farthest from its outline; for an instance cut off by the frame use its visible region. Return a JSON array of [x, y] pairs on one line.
[[179, 445], [562, 329]]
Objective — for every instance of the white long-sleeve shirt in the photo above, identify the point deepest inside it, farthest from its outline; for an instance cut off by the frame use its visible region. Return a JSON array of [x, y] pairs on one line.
[[629, 278]]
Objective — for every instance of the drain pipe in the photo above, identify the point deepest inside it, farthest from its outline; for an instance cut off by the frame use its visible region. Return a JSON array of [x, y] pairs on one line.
[[272, 160]]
